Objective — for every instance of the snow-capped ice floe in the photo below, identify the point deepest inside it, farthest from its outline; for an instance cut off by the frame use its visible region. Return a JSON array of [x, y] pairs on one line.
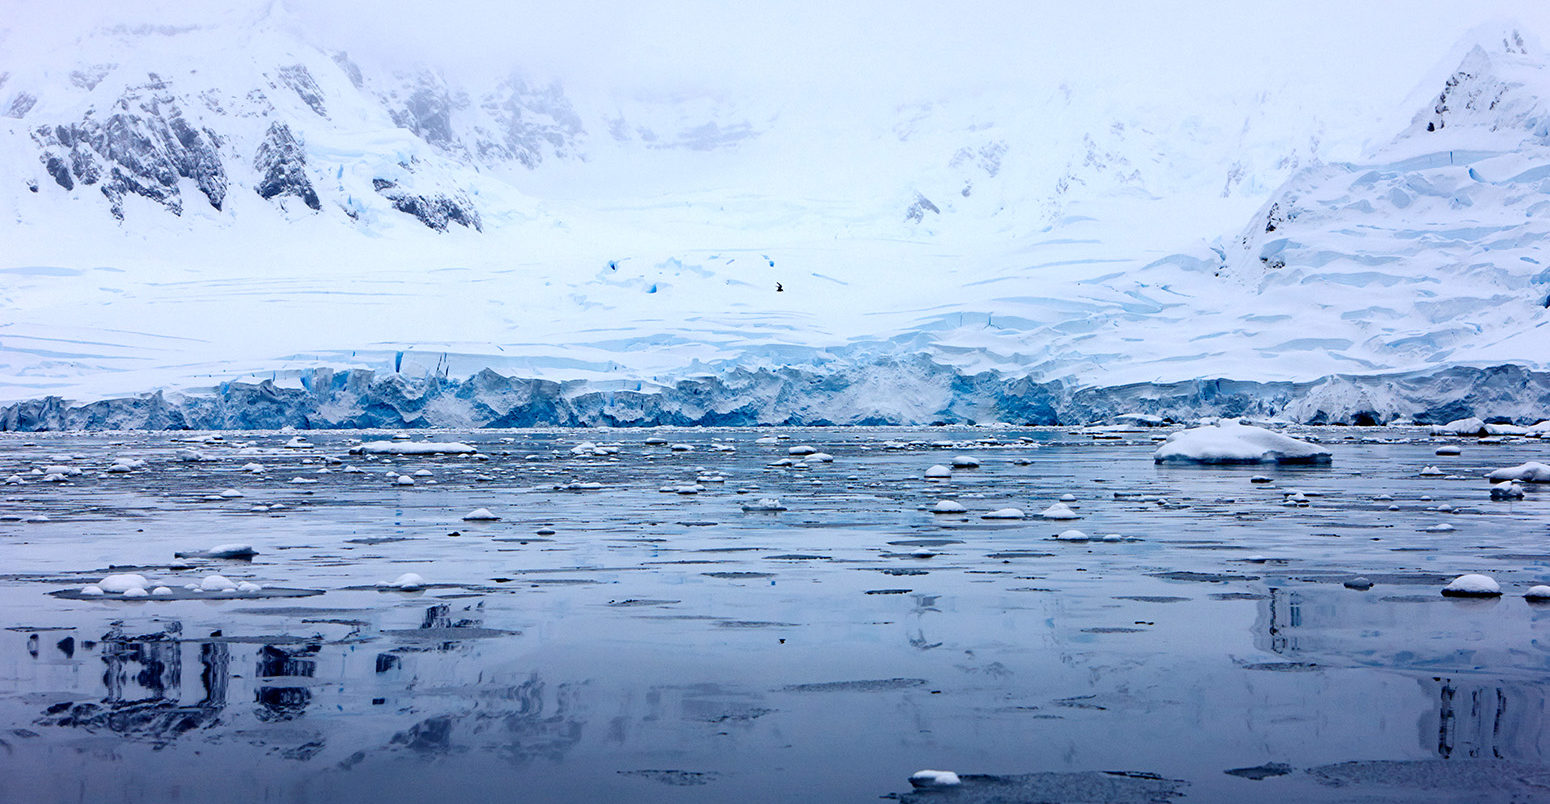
[[480, 515], [1472, 586], [122, 582], [1463, 427], [948, 507], [1507, 490], [230, 551], [938, 472], [1443, 528], [1230, 441], [1431, 471], [821, 457], [404, 480], [681, 447], [412, 448], [965, 462], [91, 590], [231, 494], [1072, 535], [123, 465], [1449, 450], [216, 583], [408, 582], [764, 505], [1059, 511], [1538, 593], [1531, 472], [297, 442], [934, 778], [252, 467], [1005, 513], [801, 449]]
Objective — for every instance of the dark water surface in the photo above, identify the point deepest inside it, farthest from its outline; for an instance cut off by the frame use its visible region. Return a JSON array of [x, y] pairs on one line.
[[672, 647]]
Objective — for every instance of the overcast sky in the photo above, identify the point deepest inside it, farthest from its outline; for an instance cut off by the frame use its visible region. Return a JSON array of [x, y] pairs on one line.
[[1354, 49]]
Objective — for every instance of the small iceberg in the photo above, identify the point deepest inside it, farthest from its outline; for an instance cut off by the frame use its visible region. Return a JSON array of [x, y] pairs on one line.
[[1233, 442], [1531, 472], [927, 779], [1472, 585], [948, 507], [1006, 513], [480, 515], [1059, 511], [411, 448], [764, 505], [938, 472]]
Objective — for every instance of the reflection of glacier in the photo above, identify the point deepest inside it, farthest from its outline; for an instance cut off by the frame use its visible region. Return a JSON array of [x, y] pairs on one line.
[[1485, 720], [143, 689], [1465, 718]]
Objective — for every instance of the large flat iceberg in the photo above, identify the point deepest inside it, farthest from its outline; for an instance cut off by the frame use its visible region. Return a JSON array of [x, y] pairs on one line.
[[1233, 442]]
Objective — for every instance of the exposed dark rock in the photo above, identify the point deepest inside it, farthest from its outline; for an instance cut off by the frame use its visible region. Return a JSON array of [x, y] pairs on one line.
[[300, 81], [143, 147], [21, 105], [917, 211], [282, 161], [434, 210]]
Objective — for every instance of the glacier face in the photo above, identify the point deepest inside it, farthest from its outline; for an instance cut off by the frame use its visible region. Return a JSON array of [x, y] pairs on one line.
[[291, 212], [889, 392]]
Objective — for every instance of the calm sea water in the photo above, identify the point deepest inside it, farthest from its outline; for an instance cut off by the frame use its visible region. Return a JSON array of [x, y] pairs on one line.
[[624, 643]]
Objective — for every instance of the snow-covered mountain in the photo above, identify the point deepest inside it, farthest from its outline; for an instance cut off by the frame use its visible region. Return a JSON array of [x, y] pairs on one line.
[[194, 206]]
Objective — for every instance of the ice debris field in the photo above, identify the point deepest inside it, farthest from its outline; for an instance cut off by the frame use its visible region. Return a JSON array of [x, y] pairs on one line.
[[960, 613]]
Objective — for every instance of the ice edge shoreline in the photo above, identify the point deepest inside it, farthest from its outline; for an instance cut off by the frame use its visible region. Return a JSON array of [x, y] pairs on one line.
[[910, 391]]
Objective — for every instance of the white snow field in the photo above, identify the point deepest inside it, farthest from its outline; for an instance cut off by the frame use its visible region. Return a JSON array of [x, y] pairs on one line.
[[268, 230]]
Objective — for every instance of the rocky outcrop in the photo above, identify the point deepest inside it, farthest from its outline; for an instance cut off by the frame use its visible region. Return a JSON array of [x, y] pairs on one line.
[[143, 147], [436, 210], [282, 162]]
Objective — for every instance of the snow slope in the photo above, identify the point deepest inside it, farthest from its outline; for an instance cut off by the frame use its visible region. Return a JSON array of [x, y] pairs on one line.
[[282, 209]]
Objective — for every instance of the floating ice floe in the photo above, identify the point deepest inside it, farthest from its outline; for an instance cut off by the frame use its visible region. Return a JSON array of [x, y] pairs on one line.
[[1005, 513], [1462, 427], [821, 457], [1068, 498], [252, 467], [1531, 472], [938, 472], [297, 442], [404, 480], [1507, 490], [411, 448], [801, 449], [191, 456], [764, 505], [230, 551], [1230, 441], [1538, 593], [1443, 528], [480, 515], [1472, 586], [682, 448], [1072, 535], [123, 465], [423, 473], [1431, 471], [965, 462], [1449, 450], [948, 507], [1059, 511], [303, 480], [91, 590], [934, 778], [766, 440]]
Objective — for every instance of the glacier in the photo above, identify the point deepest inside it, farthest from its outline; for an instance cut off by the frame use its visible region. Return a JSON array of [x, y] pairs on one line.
[[293, 235]]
